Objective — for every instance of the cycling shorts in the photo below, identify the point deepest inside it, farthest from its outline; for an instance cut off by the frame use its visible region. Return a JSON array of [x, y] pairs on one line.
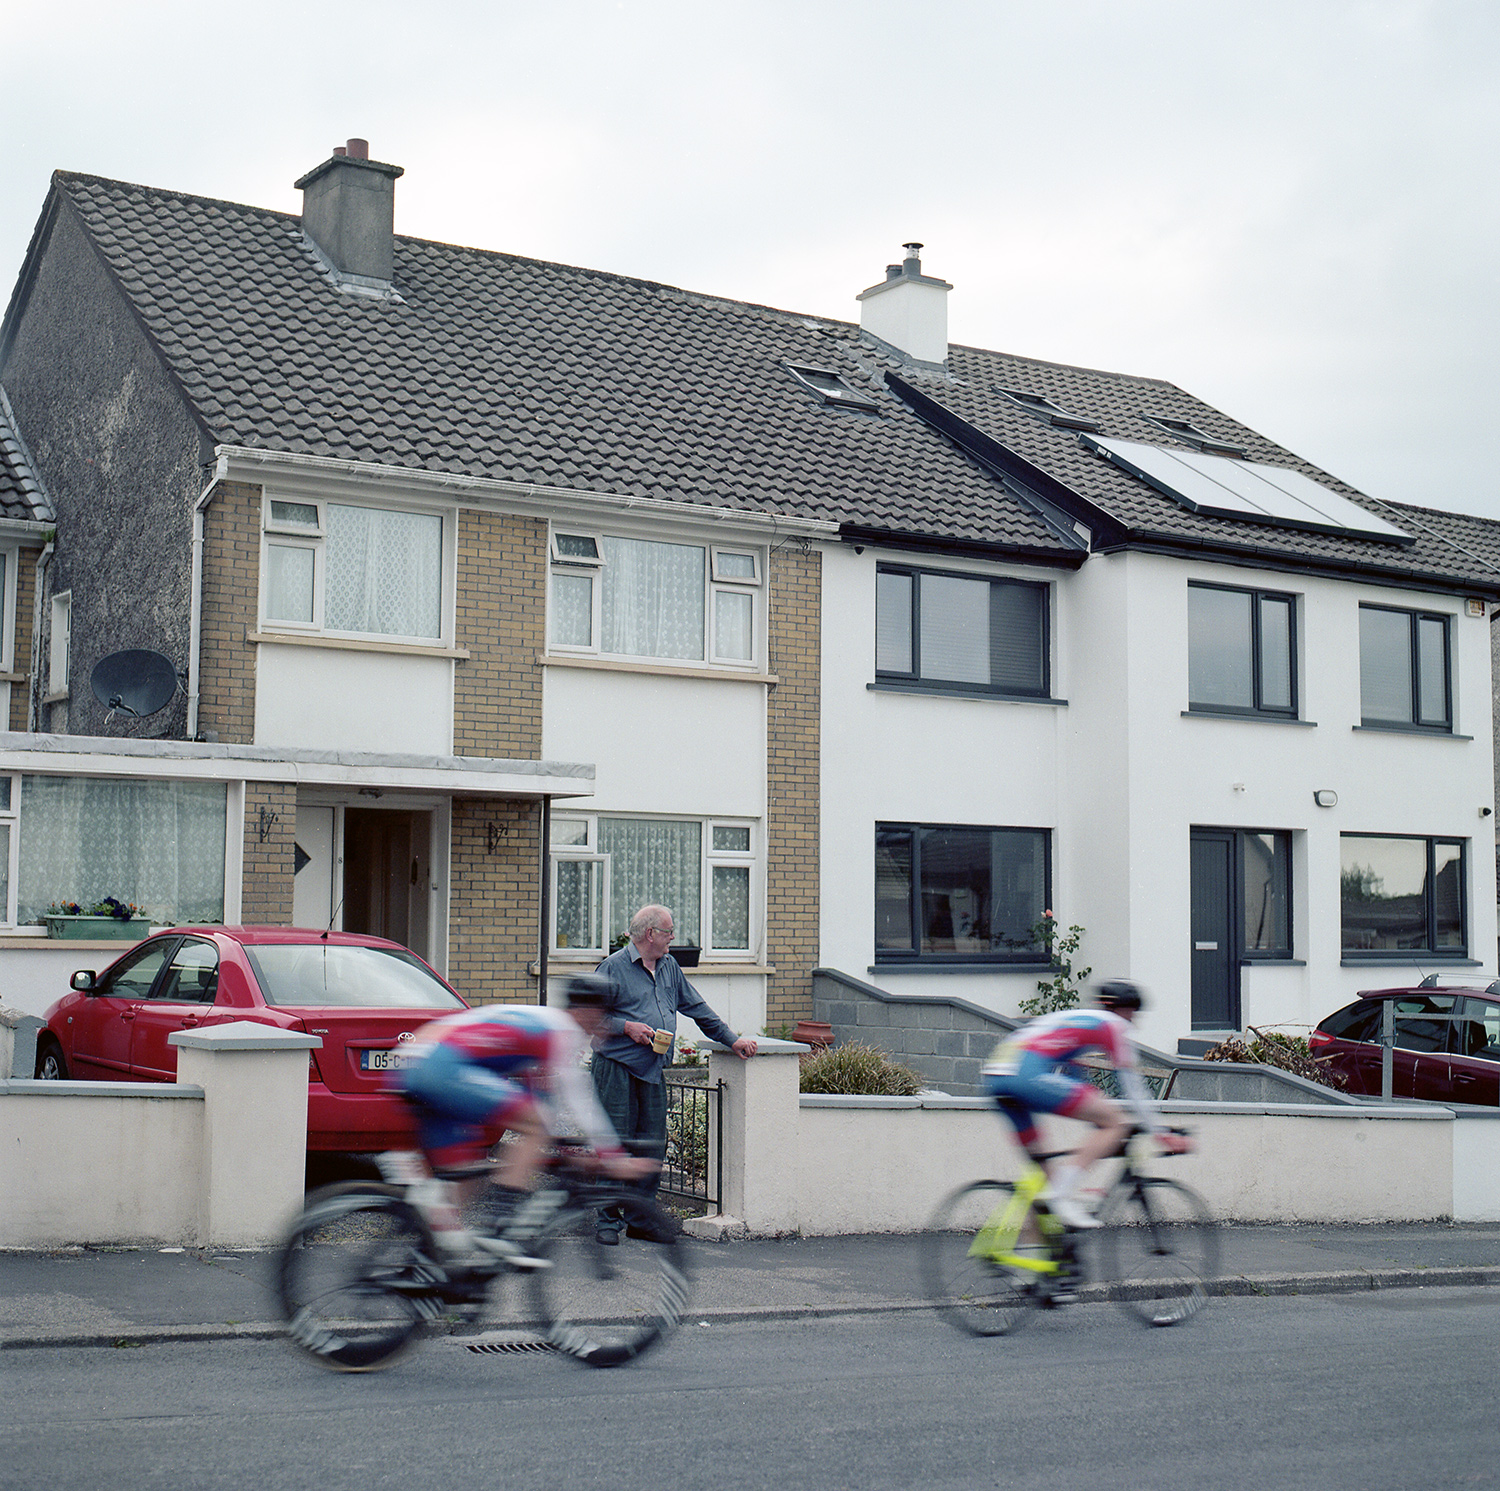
[[1037, 1085], [462, 1107]]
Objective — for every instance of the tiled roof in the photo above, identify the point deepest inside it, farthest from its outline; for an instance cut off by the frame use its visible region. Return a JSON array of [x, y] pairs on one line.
[[21, 494], [493, 365], [497, 366]]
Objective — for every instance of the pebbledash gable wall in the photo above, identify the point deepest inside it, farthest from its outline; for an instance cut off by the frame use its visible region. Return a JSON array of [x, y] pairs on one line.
[[792, 750], [231, 588]]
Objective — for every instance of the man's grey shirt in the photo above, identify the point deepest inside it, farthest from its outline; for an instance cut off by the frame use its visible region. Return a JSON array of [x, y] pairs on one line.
[[654, 1001]]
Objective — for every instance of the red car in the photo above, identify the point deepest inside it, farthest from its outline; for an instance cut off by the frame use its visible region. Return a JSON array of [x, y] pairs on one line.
[[1445, 1043], [364, 996]]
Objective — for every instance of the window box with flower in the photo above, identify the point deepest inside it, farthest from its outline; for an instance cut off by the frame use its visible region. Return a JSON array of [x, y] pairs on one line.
[[108, 920]]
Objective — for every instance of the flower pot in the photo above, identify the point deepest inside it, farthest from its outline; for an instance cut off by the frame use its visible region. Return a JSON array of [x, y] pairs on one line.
[[97, 928], [686, 957], [815, 1033]]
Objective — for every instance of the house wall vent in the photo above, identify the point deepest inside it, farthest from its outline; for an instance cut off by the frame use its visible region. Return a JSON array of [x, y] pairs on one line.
[[908, 310]]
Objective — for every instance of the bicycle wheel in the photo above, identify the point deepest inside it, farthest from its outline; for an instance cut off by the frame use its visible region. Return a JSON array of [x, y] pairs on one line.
[[1160, 1246], [606, 1305], [353, 1277], [974, 1292]]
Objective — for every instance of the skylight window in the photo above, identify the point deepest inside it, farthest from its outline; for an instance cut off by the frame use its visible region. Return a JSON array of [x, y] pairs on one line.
[[1190, 434], [1247, 490], [1046, 409], [832, 389]]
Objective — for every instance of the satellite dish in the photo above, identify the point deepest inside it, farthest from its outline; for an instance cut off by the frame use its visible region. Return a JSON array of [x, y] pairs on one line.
[[135, 682]]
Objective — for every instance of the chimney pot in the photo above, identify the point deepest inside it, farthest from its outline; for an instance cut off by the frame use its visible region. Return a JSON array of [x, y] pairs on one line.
[[360, 150], [339, 150]]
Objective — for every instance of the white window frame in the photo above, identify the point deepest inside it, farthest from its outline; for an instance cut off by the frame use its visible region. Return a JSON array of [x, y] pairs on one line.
[[12, 556], [715, 582], [289, 535], [709, 859], [59, 646], [10, 817]]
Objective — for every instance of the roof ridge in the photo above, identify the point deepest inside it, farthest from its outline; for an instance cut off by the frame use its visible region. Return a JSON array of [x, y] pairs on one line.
[[1075, 367]]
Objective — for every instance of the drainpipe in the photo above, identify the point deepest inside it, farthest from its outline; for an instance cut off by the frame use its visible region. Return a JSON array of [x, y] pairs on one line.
[[545, 899], [33, 691], [195, 600]]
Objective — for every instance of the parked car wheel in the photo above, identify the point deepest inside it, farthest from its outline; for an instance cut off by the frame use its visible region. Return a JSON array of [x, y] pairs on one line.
[[51, 1065]]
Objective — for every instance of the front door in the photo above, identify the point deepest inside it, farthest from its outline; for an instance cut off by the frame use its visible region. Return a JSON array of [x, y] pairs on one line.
[[1216, 965], [388, 875]]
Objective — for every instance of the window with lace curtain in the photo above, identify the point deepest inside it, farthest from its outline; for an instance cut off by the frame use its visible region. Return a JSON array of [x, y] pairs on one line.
[[351, 570], [605, 868], [647, 598], [159, 844]]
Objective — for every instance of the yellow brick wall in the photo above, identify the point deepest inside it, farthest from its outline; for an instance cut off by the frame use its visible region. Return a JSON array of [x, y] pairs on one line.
[[20, 693], [231, 580], [267, 891], [494, 908], [502, 602], [792, 748]]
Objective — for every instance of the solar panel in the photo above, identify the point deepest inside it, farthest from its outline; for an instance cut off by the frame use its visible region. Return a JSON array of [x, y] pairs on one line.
[[1228, 488]]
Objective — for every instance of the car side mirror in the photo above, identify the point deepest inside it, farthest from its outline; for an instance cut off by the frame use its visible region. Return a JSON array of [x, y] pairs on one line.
[[84, 980]]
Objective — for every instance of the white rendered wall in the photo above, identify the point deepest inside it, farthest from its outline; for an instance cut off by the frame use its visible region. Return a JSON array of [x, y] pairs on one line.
[[1122, 778], [325, 698]]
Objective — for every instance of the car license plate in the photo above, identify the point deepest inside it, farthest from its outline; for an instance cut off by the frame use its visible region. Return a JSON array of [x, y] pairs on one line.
[[384, 1061]]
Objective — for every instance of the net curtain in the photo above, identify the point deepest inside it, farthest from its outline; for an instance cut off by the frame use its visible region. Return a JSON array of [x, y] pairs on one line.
[[384, 572], [158, 844], [653, 863]]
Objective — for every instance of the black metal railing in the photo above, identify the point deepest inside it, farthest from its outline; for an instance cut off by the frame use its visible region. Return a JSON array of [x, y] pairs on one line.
[[693, 1168]]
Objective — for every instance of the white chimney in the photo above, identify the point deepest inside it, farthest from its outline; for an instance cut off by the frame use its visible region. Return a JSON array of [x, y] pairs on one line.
[[908, 310]]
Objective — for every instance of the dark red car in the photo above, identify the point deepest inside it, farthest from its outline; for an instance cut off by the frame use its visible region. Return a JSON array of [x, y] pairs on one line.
[[365, 997], [1446, 1044]]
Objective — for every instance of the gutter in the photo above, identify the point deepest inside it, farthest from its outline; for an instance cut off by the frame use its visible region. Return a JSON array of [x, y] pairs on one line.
[[527, 497]]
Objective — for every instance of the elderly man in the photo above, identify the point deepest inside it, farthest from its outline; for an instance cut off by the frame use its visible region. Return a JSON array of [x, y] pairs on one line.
[[649, 993]]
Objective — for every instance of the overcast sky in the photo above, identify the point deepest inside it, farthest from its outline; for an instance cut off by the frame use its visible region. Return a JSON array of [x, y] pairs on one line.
[[1287, 207]]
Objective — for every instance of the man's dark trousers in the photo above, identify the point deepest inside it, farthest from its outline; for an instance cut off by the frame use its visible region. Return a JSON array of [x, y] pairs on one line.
[[637, 1110]]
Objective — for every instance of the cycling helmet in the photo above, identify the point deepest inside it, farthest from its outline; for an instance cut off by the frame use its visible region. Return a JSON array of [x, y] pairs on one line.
[[590, 990], [1119, 994]]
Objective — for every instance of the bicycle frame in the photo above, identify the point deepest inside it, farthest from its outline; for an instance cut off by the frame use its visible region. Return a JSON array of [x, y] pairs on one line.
[[997, 1239]]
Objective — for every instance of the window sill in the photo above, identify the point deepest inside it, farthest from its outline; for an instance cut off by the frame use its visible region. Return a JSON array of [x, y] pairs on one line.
[[61, 698], [560, 962], [669, 670], [1031, 969], [1247, 716], [354, 644], [14, 677], [1411, 730], [956, 691], [1416, 960]]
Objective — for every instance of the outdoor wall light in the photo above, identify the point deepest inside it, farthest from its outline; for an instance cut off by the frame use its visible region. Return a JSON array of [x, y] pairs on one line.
[[1327, 798]]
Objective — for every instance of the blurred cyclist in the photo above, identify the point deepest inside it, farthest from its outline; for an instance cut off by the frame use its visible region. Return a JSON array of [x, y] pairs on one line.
[[1033, 1071], [487, 1071]]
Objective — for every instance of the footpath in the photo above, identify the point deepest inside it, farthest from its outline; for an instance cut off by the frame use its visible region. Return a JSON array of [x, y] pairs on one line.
[[115, 1296]]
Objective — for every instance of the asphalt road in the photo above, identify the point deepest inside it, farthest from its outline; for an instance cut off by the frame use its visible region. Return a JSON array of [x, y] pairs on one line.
[[1366, 1391]]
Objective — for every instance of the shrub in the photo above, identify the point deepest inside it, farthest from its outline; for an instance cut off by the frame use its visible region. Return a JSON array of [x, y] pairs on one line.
[[1288, 1053], [858, 1070], [1057, 992]]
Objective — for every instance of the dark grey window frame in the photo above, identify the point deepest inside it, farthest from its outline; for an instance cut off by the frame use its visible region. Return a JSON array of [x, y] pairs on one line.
[[913, 680], [1430, 951], [1286, 951], [1414, 619], [1257, 710], [1027, 956]]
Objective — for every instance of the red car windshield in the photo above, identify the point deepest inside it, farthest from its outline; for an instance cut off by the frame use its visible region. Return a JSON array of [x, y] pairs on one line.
[[330, 973]]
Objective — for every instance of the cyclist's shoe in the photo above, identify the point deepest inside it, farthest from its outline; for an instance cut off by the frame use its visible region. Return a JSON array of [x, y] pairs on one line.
[[1070, 1212]]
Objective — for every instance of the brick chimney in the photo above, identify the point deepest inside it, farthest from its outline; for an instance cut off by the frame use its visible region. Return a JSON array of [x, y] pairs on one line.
[[349, 211], [908, 310]]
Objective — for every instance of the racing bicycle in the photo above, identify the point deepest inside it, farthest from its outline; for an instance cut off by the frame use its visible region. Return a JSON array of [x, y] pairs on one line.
[[359, 1278], [993, 1254]]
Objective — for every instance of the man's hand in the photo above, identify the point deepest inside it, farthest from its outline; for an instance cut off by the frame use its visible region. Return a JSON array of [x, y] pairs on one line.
[[744, 1048], [641, 1034], [1175, 1143]]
